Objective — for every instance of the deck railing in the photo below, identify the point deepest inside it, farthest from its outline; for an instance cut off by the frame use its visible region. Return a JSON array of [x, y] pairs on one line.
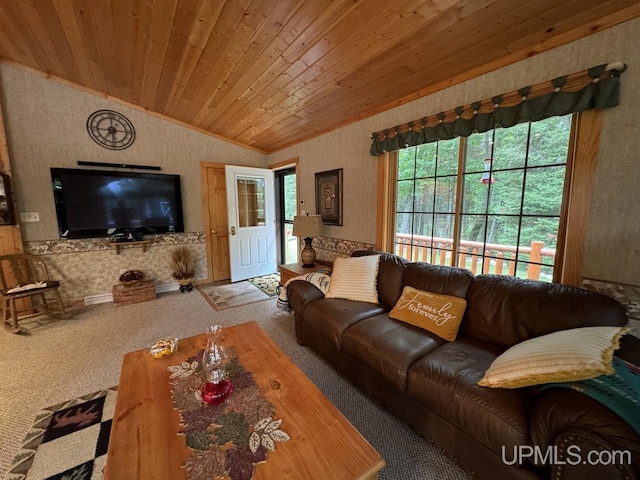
[[499, 259]]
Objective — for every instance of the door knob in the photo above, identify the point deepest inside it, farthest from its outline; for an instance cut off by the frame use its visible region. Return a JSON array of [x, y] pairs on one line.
[[233, 230], [213, 232]]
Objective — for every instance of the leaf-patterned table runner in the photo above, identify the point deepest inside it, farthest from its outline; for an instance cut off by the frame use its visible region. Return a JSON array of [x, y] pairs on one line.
[[229, 439]]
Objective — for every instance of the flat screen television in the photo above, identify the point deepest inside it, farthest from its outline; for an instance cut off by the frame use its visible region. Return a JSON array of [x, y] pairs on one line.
[[97, 203]]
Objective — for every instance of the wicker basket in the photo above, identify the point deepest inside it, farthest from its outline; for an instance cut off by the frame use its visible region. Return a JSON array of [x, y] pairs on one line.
[[142, 291]]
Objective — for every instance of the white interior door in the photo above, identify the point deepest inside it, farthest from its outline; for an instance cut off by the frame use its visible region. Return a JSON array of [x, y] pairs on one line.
[[252, 229]]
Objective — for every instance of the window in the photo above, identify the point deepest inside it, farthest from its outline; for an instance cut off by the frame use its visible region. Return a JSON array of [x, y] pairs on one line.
[[490, 202]]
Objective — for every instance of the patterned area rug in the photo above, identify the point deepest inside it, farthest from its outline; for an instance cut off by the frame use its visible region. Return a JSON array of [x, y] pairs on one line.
[[68, 441], [230, 295], [268, 283]]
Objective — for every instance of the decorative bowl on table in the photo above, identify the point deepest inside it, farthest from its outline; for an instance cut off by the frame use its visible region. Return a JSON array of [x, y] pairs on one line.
[[131, 278], [164, 347]]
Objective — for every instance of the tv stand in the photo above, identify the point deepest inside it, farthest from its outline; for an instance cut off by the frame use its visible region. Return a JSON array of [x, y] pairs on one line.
[[141, 243]]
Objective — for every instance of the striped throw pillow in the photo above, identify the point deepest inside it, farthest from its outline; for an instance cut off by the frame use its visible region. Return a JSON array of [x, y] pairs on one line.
[[563, 356], [355, 278]]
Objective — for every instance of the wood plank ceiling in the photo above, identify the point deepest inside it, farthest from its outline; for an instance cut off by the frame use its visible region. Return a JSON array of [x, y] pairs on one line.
[[271, 73]]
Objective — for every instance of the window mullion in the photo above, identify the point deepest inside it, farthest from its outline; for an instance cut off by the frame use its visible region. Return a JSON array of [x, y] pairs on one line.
[[522, 194], [457, 216], [486, 260]]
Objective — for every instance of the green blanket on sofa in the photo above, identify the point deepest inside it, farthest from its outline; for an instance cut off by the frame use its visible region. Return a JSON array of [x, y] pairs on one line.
[[619, 392]]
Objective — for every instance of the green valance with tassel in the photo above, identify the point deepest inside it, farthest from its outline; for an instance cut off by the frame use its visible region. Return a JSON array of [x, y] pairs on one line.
[[597, 87]]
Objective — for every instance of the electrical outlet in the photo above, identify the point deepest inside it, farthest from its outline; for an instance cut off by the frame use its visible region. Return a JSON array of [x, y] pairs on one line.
[[29, 217]]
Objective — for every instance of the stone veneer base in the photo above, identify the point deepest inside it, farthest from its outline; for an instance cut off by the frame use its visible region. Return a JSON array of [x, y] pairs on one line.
[[88, 268], [627, 295], [328, 249]]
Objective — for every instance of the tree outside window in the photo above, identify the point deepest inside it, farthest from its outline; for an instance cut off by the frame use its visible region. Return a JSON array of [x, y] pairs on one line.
[[492, 200]]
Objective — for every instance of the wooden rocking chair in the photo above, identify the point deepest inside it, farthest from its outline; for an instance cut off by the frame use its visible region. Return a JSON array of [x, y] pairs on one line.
[[25, 285]]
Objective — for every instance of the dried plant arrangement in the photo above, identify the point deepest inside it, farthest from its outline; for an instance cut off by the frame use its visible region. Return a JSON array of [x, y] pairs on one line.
[[182, 263]]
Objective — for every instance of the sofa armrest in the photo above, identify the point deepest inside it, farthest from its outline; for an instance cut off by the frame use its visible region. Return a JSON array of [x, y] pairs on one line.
[[300, 294], [576, 425]]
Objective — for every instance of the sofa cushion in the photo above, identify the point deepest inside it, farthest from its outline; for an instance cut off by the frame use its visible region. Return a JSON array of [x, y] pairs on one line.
[[506, 310], [435, 312], [565, 356], [330, 317], [445, 381], [438, 279], [390, 273], [355, 279], [388, 346]]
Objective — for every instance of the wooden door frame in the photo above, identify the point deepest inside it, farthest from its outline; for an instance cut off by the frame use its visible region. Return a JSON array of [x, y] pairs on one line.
[[205, 213], [10, 235], [291, 163]]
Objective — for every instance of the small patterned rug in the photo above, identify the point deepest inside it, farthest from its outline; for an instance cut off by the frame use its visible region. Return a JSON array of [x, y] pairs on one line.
[[268, 283], [68, 441], [230, 295]]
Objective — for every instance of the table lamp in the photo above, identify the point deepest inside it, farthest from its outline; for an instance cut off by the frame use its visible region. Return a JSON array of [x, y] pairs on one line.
[[307, 226]]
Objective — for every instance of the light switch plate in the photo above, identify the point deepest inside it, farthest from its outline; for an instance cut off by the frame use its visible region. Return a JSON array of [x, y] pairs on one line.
[[29, 217]]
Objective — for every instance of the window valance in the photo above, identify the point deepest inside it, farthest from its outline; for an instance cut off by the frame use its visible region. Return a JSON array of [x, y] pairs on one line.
[[597, 87]]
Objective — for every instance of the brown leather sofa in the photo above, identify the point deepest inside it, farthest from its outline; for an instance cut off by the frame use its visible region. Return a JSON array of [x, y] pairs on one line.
[[432, 384]]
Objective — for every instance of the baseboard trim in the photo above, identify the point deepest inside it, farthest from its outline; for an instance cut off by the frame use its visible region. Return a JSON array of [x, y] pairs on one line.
[[167, 287], [107, 297], [95, 299]]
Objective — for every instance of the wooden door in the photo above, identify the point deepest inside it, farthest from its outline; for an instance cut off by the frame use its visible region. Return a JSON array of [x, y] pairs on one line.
[[217, 225]]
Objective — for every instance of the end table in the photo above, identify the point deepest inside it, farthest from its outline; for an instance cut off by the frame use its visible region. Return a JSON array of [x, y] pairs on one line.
[[290, 270]]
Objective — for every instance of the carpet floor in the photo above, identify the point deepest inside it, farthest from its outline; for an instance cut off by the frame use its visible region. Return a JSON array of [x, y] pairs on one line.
[[58, 360]]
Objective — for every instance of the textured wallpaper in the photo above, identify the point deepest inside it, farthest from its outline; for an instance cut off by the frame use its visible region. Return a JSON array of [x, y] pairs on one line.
[[46, 127], [90, 267], [45, 123], [613, 242]]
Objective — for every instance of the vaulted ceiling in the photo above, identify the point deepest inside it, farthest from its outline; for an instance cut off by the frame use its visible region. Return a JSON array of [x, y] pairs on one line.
[[271, 73]]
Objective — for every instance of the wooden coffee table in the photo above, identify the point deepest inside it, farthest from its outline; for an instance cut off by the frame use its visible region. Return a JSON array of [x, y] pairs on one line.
[[145, 443]]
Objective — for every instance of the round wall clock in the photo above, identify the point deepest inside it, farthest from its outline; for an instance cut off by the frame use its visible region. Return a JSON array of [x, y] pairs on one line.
[[111, 129]]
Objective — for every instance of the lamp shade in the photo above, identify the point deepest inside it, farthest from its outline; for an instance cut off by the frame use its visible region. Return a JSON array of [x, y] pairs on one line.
[[307, 225]]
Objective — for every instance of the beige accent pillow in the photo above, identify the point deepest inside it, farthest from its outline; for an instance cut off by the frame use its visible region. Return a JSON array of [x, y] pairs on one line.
[[355, 278], [564, 356], [435, 312]]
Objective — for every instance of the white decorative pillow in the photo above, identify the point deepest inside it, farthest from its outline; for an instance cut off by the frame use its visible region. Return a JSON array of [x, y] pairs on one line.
[[563, 356], [355, 278]]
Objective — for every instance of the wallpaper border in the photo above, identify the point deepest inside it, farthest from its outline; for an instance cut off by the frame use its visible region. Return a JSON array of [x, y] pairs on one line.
[[54, 247]]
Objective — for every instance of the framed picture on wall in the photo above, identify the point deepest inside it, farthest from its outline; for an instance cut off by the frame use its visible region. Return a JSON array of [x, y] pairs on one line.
[[329, 196]]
